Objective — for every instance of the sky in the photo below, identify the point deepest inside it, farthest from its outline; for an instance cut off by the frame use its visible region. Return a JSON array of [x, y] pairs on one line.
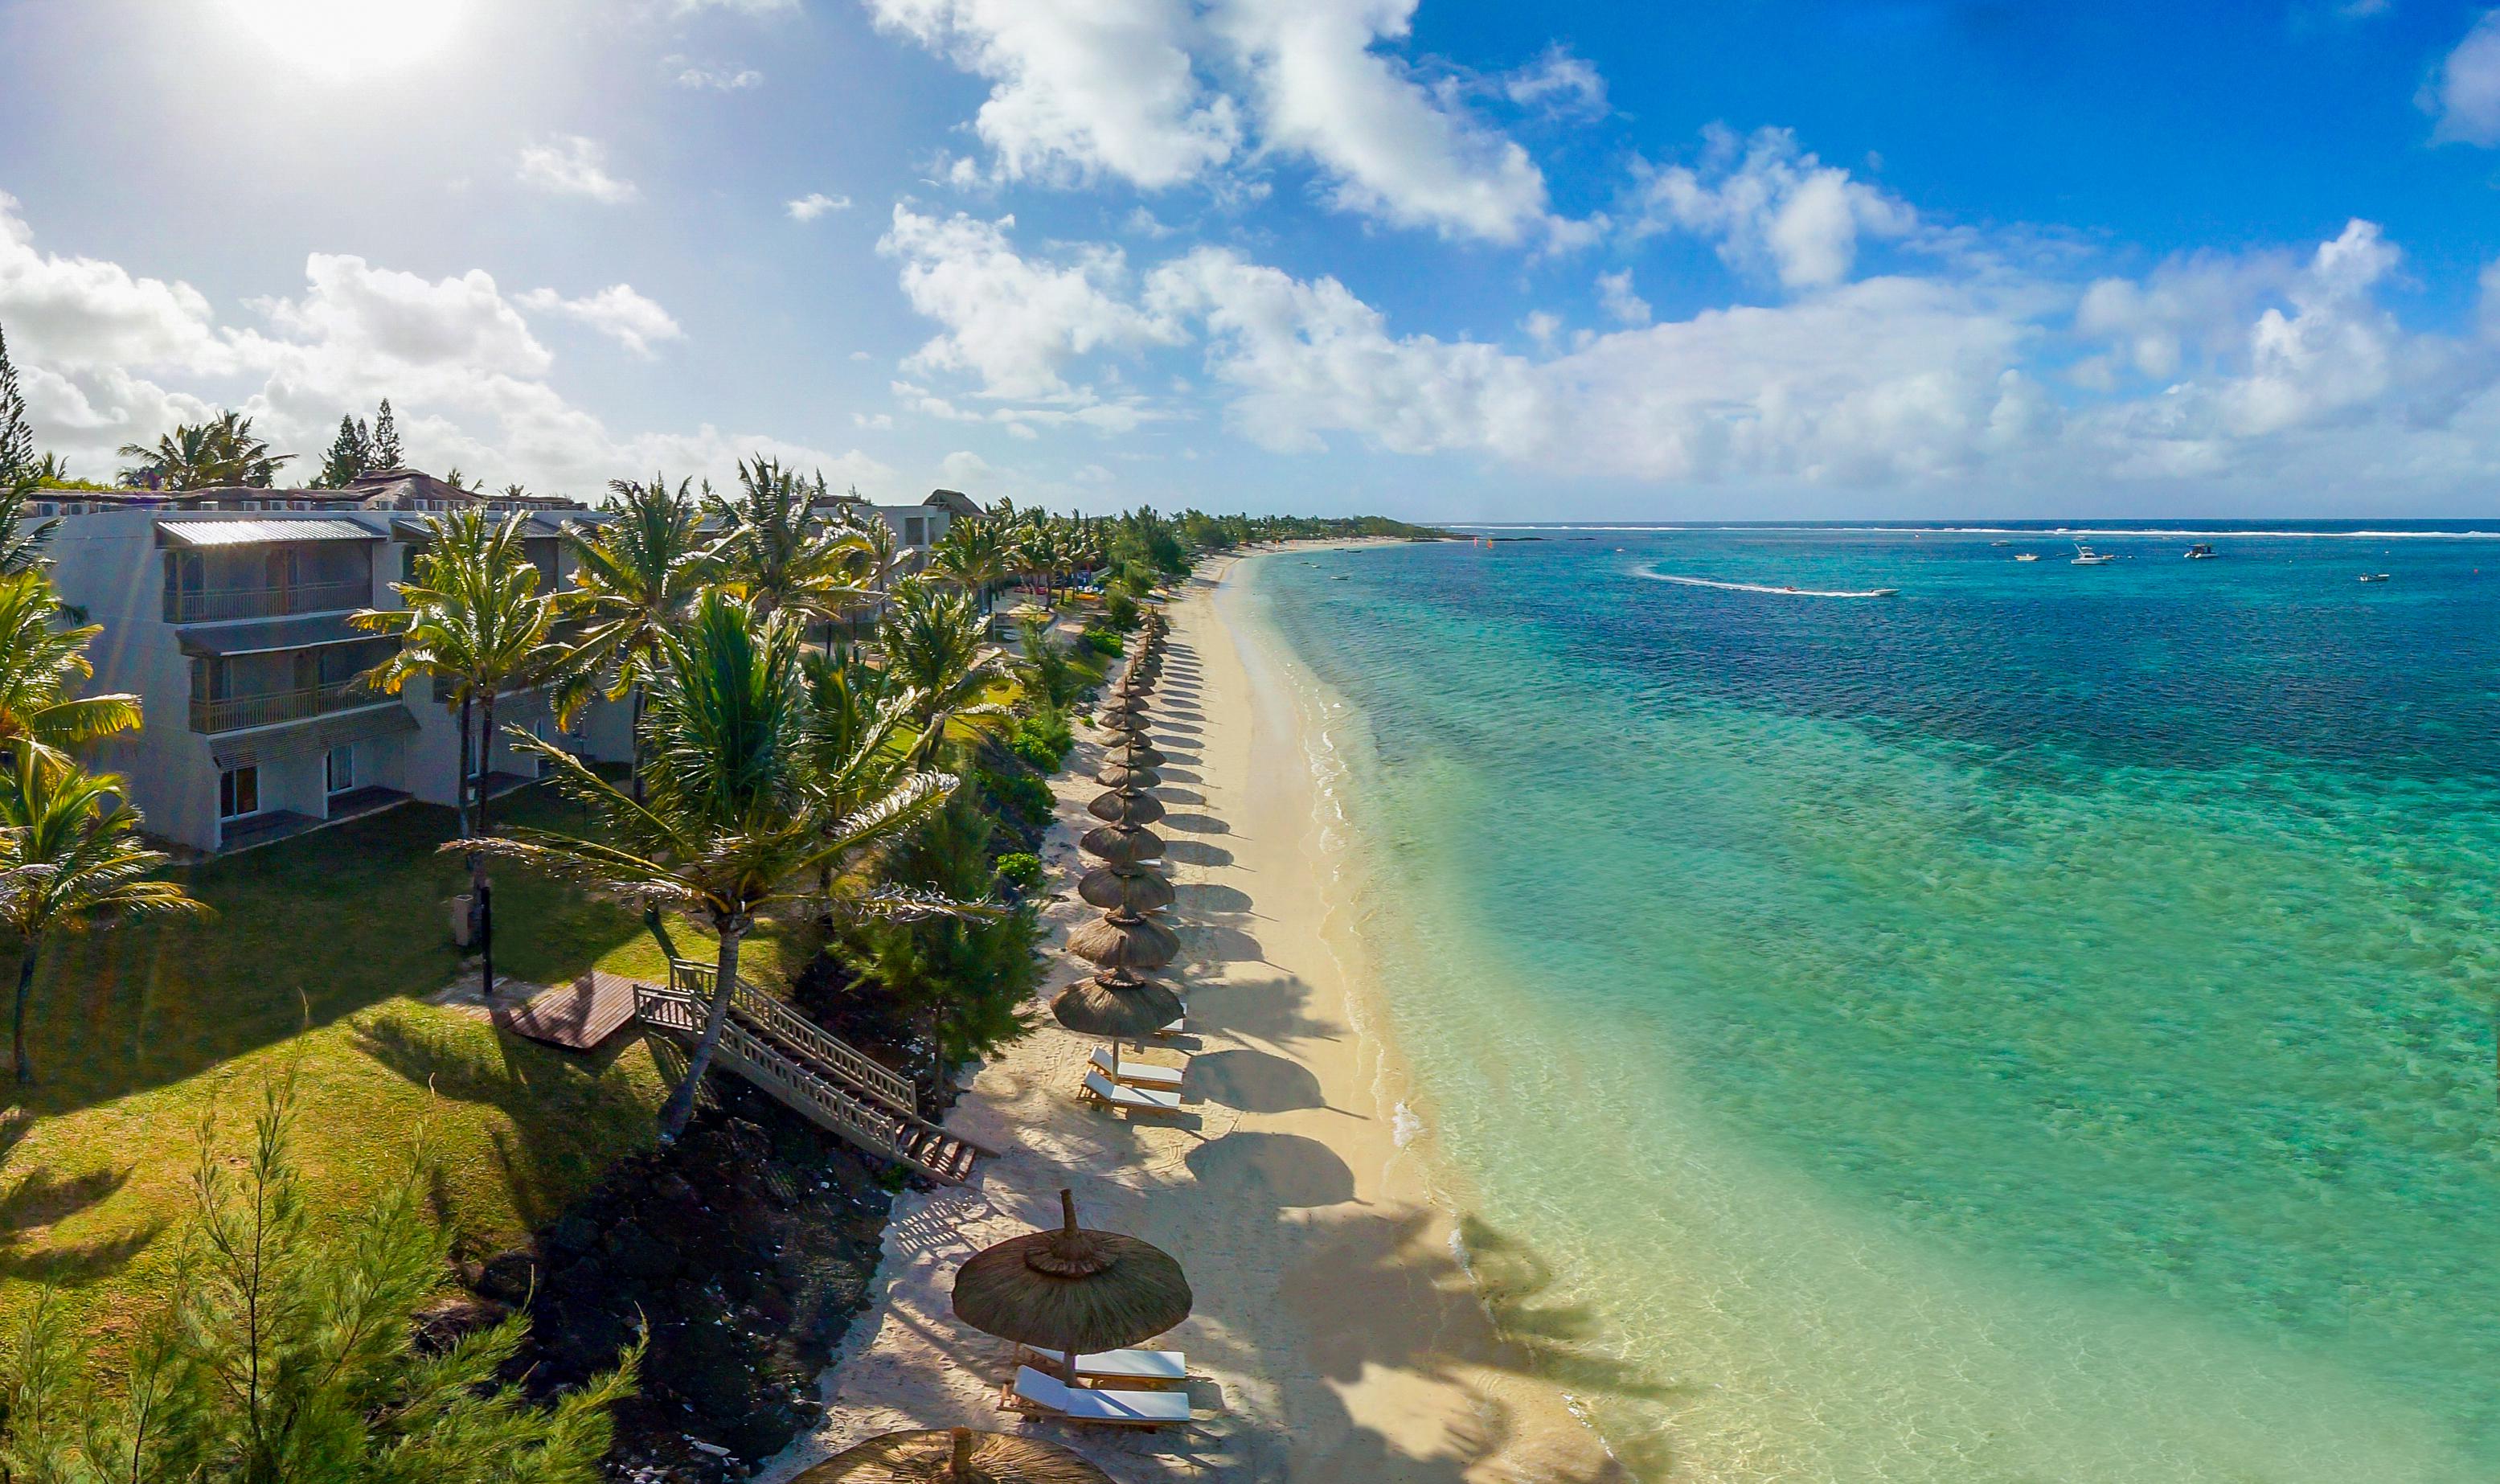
[[1442, 259]]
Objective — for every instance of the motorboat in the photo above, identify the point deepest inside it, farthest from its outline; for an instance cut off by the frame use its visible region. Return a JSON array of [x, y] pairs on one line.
[[2374, 576], [2027, 556], [2086, 556], [2202, 551]]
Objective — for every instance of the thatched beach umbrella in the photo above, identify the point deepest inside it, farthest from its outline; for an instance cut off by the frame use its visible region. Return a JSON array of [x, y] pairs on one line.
[[1074, 1290], [1118, 1008], [1134, 753], [1126, 807], [1125, 940], [954, 1456], [1125, 888], [1117, 774], [1120, 846]]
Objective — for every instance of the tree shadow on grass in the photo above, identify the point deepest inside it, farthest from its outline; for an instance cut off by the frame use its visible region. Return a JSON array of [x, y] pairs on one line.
[[564, 1106], [42, 1200], [307, 932]]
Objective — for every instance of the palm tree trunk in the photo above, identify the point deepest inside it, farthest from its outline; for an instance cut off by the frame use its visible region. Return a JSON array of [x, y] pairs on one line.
[[460, 793], [637, 726], [25, 989], [681, 1102], [480, 893]]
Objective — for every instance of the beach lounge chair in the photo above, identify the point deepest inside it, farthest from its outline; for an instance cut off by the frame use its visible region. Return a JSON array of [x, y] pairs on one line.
[[1036, 1391], [1136, 1099], [1138, 1073], [1120, 1367], [1174, 1029]]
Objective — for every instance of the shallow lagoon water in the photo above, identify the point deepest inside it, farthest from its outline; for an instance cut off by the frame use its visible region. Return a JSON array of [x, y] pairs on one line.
[[2038, 1026]]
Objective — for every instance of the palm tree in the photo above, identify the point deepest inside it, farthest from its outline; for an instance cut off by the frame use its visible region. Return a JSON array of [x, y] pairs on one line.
[[633, 577], [973, 554], [22, 542], [70, 859], [41, 666], [475, 621], [205, 455], [932, 645], [778, 553], [729, 820]]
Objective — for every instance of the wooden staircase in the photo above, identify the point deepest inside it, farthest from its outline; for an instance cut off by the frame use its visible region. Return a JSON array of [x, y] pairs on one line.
[[811, 1073]]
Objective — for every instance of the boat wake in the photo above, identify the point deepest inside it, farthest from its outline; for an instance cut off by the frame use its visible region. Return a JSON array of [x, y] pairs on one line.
[[1776, 592]]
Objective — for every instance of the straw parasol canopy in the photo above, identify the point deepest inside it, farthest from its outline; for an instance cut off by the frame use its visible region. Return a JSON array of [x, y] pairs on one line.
[[1072, 1290], [1122, 939], [954, 1456], [1125, 807], [1121, 845], [1122, 704], [1125, 888], [1134, 753], [1117, 1007], [1134, 776]]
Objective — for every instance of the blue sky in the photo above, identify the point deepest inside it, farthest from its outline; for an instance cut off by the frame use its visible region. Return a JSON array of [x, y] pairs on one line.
[[1447, 259]]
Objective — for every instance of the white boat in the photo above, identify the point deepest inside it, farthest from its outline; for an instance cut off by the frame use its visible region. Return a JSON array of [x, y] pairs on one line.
[[2086, 556], [2027, 556], [2374, 576], [2202, 551]]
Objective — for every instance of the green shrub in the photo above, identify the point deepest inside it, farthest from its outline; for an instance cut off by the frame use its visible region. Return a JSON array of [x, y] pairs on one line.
[[1021, 793], [1021, 870], [1042, 740], [1105, 642], [1120, 611]]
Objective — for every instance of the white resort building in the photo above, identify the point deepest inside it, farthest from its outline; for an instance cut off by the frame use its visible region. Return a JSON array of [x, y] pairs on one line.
[[225, 611]]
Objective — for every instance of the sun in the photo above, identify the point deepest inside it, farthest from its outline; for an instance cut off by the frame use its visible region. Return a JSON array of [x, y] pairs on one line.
[[337, 36]]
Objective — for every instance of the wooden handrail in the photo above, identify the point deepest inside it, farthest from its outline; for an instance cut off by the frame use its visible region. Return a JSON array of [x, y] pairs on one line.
[[879, 1131], [838, 1059]]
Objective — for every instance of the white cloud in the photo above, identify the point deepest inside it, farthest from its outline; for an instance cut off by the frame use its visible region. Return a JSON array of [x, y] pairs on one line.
[[571, 165], [1015, 322], [744, 7], [1104, 89], [616, 312], [1773, 207], [964, 468], [1541, 326], [1558, 82], [454, 354], [2465, 95], [79, 312], [1397, 149], [1616, 297], [714, 79], [816, 204]]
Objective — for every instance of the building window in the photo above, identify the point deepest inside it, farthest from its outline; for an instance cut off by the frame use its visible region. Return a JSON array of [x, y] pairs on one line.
[[340, 770], [238, 792], [915, 531]]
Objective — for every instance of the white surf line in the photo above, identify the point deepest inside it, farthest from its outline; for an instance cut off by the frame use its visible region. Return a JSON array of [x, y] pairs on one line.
[[1777, 592]]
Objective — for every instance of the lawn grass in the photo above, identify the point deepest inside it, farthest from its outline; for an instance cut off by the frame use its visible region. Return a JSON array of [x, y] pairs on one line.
[[315, 967]]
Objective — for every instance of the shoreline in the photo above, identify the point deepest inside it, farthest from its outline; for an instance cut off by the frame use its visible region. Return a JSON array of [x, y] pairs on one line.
[[1337, 1333]]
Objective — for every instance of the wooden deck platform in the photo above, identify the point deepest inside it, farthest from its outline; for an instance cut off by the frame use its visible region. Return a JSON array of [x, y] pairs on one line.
[[576, 1017]]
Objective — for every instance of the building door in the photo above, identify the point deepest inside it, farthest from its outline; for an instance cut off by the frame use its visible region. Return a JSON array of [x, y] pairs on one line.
[[239, 792], [339, 770]]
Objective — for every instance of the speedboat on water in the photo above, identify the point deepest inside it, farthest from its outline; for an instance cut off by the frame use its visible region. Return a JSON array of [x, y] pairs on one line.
[[2202, 551], [2086, 556], [2027, 556], [2374, 576]]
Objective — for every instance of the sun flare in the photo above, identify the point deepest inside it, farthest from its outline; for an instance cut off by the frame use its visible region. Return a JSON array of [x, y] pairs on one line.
[[349, 35]]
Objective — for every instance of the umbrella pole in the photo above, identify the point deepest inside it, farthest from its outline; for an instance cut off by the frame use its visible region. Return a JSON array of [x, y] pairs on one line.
[[958, 1462]]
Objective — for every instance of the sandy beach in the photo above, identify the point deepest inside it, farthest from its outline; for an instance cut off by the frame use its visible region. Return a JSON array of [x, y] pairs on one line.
[[1336, 1333]]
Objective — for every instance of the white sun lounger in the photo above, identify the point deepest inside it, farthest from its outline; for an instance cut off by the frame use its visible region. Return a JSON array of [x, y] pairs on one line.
[[1137, 1074], [1137, 1099], [1135, 1367], [1174, 1029], [1036, 1391]]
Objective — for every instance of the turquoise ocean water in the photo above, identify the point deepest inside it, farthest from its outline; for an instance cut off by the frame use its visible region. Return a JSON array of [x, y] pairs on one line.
[[2034, 1027]]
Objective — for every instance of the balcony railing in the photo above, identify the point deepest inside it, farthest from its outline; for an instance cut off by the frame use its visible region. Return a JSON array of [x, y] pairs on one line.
[[235, 712], [220, 603]]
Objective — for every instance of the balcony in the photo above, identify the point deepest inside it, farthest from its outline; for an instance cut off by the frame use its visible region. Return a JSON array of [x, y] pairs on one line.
[[233, 714], [218, 604]]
